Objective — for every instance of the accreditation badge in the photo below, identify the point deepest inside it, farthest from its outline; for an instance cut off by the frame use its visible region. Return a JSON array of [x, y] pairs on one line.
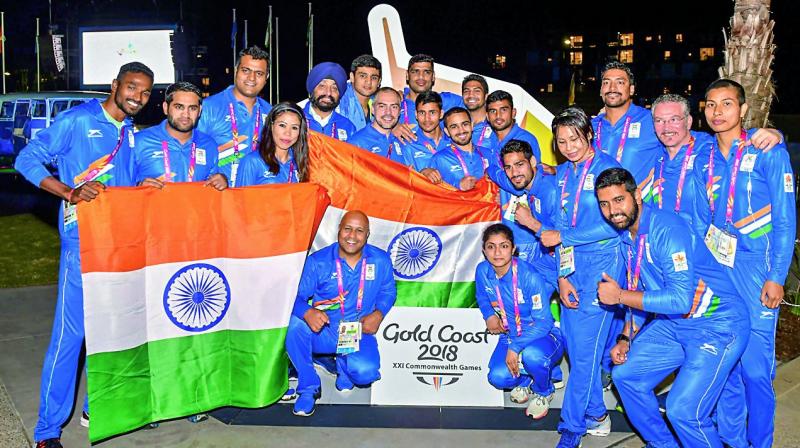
[[722, 245], [370, 273], [234, 170], [70, 214], [200, 156], [588, 184], [566, 265], [511, 210], [349, 338], [748, 163], [634, 130]]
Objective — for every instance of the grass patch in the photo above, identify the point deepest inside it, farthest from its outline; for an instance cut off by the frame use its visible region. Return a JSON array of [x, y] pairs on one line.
[[30, 252]]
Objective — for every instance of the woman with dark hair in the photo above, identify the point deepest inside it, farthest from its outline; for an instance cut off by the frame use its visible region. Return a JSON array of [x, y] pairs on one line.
[[282, 155], [511, 297], [586, 247]]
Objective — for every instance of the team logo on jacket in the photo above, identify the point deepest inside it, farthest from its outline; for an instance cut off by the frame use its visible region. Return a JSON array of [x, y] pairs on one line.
[[94, 133], [197, 297], [414, 252]]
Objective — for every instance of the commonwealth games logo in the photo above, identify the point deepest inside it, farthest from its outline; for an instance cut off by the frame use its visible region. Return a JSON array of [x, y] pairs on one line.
[[437, 379], [197, 297], [414, 252]]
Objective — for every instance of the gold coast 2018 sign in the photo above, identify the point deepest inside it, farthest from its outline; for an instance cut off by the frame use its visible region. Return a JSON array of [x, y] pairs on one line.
[[435, 357]]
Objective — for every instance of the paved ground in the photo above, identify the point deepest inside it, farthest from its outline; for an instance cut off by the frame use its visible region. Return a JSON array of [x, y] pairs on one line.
[[25, 319]]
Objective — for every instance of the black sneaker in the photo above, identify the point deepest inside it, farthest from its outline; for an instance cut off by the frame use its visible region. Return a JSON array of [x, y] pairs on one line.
[[49, 443], [85, 419]]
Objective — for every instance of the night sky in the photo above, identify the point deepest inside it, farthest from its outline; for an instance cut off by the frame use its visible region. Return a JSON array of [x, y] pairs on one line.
[[458, 33]]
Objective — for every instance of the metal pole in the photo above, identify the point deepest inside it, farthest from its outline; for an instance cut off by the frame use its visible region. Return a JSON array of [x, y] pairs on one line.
[[233, 46], [38, 65], [244, 41], [271, 59], [277, 67], [310, 36], [3, 49]]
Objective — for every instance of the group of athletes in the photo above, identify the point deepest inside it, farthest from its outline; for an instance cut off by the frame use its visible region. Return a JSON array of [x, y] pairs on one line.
[[667, 247]]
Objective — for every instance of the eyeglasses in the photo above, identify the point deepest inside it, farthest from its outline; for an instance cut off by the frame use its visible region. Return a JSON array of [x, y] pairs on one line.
[[672, 120]]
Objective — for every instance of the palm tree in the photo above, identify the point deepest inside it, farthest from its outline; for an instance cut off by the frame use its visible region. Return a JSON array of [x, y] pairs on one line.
[[749, 53]]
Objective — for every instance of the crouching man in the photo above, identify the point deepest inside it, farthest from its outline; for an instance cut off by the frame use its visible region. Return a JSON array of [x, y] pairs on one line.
[[345, 291]]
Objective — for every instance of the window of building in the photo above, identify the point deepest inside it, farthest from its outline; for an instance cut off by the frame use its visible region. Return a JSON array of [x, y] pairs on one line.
[[625, 56], [706, 53], [679, 38], [499, 62], [575, 41], [626, 39], [648, 38], [576, 57], [667, 55], [550, 88]]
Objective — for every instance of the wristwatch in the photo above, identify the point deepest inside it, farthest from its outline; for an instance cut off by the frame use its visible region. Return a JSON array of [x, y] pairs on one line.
[[622, 337]]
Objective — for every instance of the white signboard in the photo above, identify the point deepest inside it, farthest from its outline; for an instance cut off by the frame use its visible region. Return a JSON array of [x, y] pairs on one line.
[[435, 357], [103, 52]]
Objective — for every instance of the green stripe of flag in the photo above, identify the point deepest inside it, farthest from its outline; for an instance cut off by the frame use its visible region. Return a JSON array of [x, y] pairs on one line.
[[436, 294], [183, 376]]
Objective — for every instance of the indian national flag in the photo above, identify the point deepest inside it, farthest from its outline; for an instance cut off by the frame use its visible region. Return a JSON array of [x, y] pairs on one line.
[[187, 296], [432, 232]]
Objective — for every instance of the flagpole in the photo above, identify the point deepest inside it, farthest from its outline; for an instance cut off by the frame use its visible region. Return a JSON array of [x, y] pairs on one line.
[[277, 62], [268, 44], [245, 35], [38, 64], [310, 37], [3, 46], [233, 44]]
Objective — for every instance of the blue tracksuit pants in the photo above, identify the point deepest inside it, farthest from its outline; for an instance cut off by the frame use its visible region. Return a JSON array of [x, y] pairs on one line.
[[539, 357], [585, 331], [60, 369], [360, 367], [705, 350], [749, 395]]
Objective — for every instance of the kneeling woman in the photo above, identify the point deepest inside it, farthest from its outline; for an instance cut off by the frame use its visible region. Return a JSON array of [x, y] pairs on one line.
[[510, 294], [282, 155]]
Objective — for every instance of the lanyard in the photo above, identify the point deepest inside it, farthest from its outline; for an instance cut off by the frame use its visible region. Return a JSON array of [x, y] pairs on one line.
[[389, 150], [168, 171], [734, 174], [681, 179], [430, 147], [633, 281], [580, 188], [360, 285], [622, 139], [405, 109], [514, 283], [460, 159], [483, 134], [291, 170], [91, 175], [235, 129]]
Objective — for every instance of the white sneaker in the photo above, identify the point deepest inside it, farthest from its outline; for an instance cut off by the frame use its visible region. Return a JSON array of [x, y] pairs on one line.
[[538, 406], [520, 394], [600, 428]]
